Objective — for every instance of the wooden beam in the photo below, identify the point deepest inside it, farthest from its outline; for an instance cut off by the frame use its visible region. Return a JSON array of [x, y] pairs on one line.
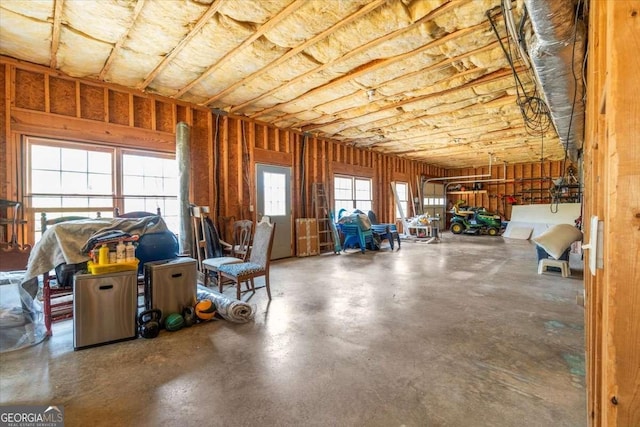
[[202, 21], [621, 271], [121, 40], [362, 48], [497, 75], [408, 76], [55, 32], [55, 125], [373, 66], [267, 26], [296, 50]]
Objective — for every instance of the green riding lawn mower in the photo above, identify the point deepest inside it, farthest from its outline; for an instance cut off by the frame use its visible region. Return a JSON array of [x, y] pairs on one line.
[[471, 220]]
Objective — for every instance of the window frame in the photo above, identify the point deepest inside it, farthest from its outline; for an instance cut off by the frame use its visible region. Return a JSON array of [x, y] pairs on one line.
[[117, 196], [354, 193]]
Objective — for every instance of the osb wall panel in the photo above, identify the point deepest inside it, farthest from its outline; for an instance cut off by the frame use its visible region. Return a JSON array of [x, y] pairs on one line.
[[165, 120], [92, 102], [29, 90], [200, 158], [231, 154], [62, 96], [143, 112], [118, 107]]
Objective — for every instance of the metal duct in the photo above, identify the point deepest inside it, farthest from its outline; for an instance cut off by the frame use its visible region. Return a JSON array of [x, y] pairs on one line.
[[185, 237], [551, 49]]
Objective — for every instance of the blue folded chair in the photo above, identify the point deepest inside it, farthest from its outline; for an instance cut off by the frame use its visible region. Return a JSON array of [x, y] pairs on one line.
[[385, 231], [353, 234]]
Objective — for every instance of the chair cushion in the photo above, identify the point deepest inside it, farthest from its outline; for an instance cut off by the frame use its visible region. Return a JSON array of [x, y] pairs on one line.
[[241, 269], [215, 263]]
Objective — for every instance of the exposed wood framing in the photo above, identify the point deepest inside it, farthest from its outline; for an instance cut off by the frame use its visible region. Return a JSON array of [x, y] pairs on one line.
[[363, 48], [417, 73], [116, 48], [204, 19], [612, 180], [367, 69], [55, 37], [296, 50], [257, 34]]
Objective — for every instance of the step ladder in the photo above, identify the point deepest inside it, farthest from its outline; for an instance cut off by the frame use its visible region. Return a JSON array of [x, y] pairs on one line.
[[327, 232]]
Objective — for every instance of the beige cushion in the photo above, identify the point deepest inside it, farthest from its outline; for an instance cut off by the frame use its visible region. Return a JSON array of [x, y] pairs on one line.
[[557, 239], [215, 263]]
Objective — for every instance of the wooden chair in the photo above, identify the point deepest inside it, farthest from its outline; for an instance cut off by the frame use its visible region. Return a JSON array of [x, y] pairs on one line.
[[208, 252], [241, 239], [258, 263], [58, 300]]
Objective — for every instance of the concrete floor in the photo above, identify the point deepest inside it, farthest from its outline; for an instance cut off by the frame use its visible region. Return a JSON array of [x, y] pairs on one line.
[[461, 333]]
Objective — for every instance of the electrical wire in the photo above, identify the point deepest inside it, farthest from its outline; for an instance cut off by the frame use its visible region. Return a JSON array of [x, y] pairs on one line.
[[533, 108], [216, 170]]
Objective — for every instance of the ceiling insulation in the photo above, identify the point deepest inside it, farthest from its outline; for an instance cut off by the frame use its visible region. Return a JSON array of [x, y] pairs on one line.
[[422, 79]]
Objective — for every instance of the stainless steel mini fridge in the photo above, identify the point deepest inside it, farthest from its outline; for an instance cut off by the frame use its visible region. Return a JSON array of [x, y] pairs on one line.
[[105, 307], [170, 285]]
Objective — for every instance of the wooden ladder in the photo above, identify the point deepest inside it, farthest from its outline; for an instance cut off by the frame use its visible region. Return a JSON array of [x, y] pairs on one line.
[[326, 228]]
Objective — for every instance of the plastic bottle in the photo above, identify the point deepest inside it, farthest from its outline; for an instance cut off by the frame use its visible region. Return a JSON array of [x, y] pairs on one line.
[[103, 254], [121, 252], [130, 252]]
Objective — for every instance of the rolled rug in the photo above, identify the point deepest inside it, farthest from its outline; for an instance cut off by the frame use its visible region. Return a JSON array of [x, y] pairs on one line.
[[229, 308]]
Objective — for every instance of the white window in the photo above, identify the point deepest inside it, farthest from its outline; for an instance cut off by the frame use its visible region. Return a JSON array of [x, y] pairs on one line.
[[352, 193], [275, 194], [149, 182], [402, 194], [73, 179]]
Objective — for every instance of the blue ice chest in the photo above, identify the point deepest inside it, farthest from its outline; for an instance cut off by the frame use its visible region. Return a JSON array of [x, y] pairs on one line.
[[156, 247]]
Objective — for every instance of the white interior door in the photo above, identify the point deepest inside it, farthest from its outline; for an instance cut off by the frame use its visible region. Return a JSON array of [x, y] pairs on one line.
[[273, 187]]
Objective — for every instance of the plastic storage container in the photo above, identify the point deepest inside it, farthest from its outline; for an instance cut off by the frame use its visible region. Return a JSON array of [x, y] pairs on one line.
[[170, 285], [105, 308]]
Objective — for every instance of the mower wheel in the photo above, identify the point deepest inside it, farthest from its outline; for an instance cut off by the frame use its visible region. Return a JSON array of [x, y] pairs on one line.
[[492, 231], [456, 228]]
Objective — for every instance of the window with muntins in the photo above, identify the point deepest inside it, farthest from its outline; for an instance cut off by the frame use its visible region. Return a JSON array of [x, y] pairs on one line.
[[77, 179], [351, 193]]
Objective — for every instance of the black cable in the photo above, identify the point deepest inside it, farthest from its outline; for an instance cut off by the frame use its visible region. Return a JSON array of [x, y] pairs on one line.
[[533, 109], [216, 169]]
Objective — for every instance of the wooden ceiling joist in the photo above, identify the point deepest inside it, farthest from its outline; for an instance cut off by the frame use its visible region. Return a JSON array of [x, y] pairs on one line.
[[116, 48], [55, 33], [362, 48], [296, 50], [496, 75], [202, 21], [372, 67], [404, 77], [297, 4]]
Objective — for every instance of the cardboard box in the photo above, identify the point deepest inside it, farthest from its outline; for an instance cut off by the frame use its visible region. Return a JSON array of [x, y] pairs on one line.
[[307, 243]]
